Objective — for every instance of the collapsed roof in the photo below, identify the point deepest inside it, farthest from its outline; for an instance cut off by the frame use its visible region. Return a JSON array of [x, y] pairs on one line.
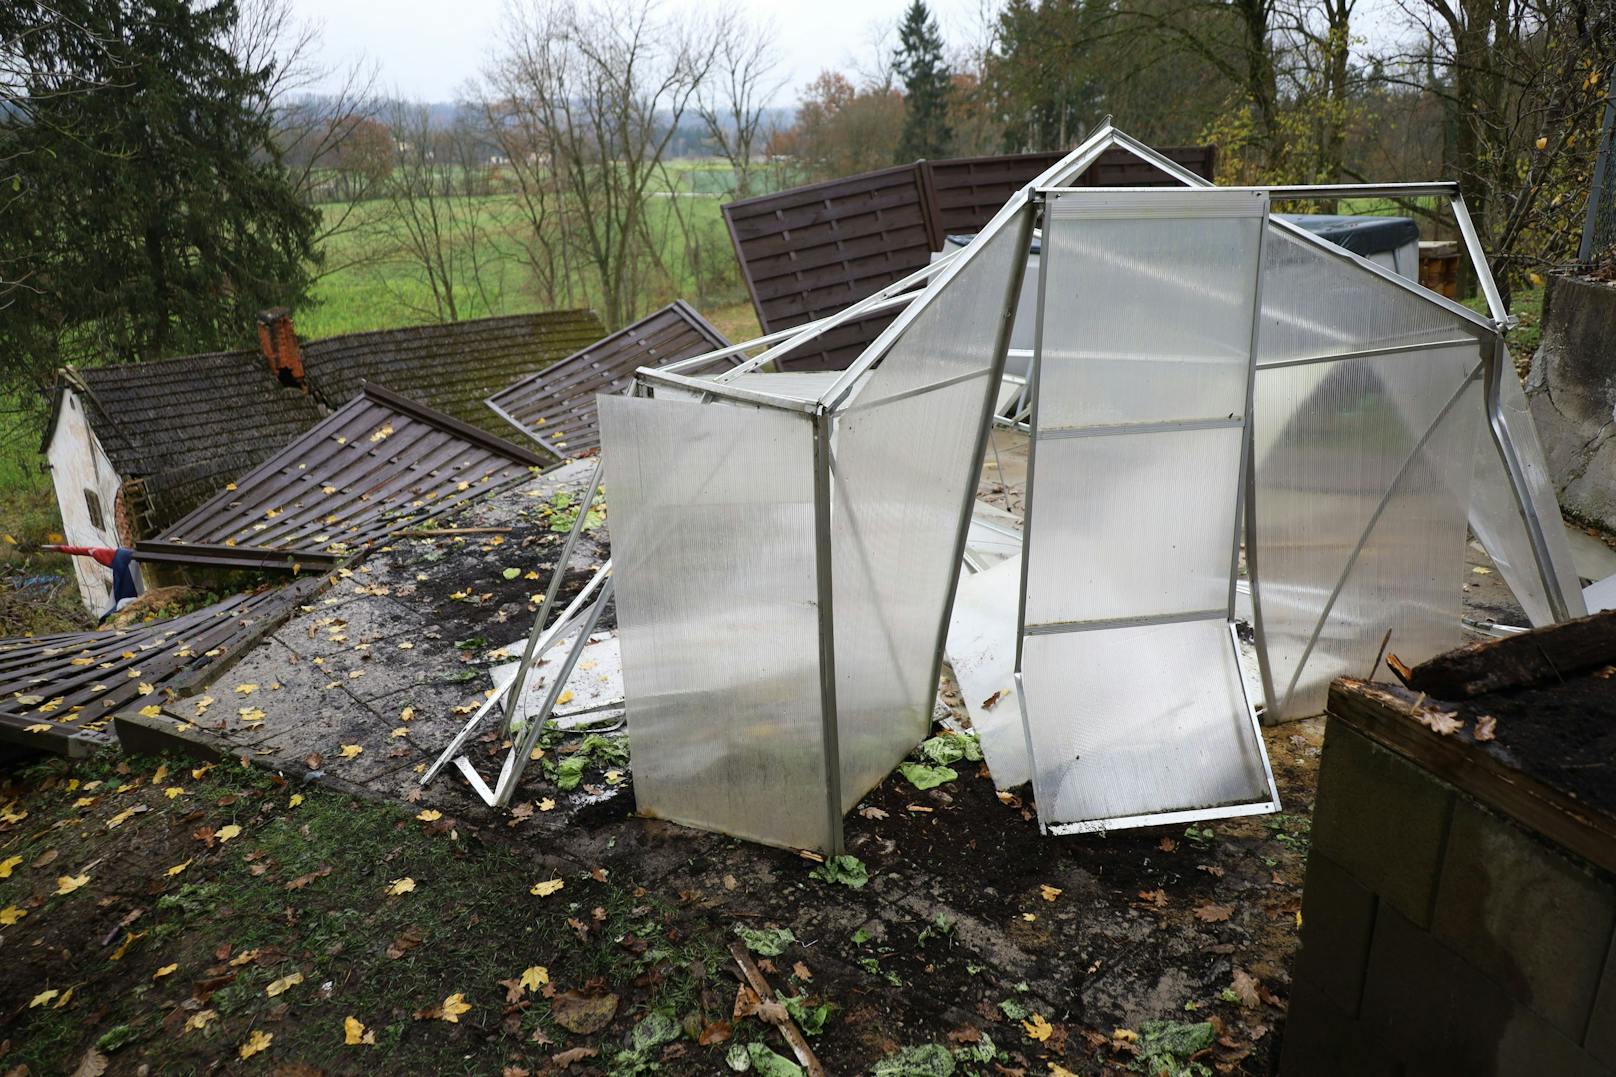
[[556, 406], [57, 692], [378, 465], [185, 426]]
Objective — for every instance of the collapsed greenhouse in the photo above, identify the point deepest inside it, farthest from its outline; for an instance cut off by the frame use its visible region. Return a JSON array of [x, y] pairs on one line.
[[1207, 380]]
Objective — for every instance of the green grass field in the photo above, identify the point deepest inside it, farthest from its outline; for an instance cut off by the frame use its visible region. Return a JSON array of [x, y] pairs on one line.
[[364, 289]]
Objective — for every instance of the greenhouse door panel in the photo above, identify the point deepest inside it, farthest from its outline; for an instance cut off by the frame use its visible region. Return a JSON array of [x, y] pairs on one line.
[[1133, 701]]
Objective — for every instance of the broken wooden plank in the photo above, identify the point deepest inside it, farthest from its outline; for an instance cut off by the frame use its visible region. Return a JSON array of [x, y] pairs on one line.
[[788, 1029], [1542, 656]]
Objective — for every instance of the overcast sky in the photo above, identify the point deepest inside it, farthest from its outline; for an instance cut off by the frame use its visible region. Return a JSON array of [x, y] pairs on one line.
[[428, 48]]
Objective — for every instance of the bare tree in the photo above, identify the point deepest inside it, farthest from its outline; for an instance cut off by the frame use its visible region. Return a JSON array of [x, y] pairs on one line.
[[734, 100], [437, 222], [1524, 85], [324, 119], [606, 88]]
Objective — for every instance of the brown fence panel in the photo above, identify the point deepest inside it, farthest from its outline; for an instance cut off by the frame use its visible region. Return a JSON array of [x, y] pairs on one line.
[[810, 251]]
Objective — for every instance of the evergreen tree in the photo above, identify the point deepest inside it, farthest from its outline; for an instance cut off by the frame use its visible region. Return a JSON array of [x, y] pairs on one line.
[[919, 62], [148, 212]]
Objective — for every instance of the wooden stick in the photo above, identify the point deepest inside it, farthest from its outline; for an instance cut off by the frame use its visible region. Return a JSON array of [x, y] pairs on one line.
[[755, 980]]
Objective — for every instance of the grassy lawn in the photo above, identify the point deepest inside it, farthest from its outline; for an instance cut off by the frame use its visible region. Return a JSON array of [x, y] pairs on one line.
[[37, 593], [361, 292], [177, 915]]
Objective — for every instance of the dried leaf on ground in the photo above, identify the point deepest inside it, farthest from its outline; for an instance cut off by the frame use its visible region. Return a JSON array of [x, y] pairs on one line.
[[283, 984], [1213, 913], [1245, 988], [583, 1014], [354, 1034], [1037, 1028], [257, 1042], [400, 887]]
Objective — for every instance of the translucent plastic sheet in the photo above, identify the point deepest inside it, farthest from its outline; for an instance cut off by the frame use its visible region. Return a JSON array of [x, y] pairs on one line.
[[1131, 723], [903, 478], [1132, 698], [712, 517], [1360, 504], [1495, 515]]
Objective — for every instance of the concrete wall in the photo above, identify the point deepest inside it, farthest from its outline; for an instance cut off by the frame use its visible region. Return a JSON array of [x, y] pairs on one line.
[[1572, 391], [77, 464], [1439, 937]]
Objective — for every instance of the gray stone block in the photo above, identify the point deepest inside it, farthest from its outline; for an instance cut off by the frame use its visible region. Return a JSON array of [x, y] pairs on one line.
[[1439, 1014], [1319, 1040], [1572, 392], [1338, 919], [1525, 915], [1600, 1038], [1382, 819]]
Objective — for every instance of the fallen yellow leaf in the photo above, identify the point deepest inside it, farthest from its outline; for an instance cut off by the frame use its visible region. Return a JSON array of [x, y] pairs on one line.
[[430, 815], [401, 887], [285, 982], [173, 791], [166, 970], [11, 914], [39, 727], [246, 689], [535, 977], [255, 1043], [348, 751], [200, 1019], [354, 1033], [66, 884], [1050, 892], [1037, 1028], [454, 1006], [120, 818], [227, 832], [297, 798], [177, 868], [546, 804], [43, 997], [546, 888], [150, 710], [7, 864]]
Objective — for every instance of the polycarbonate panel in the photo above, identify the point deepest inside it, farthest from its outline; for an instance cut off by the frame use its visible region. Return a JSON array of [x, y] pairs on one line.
[[1132, 525], [1175, 338], [1410, 573], [903, 476], [1317, 301], [1140, 721], [712, 518], [1495, 514], [1337, 435], [1133, 724], [954, 332]]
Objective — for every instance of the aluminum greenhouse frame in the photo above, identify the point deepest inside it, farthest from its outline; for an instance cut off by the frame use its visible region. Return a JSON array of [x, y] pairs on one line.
[[787, 545]]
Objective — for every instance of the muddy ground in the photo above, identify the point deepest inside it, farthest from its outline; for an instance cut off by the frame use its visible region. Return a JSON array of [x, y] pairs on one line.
[[973, 944]]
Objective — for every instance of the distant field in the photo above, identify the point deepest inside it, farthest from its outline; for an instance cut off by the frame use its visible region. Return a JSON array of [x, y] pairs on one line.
[[360, 293]]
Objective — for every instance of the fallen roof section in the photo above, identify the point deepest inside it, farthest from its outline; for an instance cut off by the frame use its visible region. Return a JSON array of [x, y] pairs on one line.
[[556, 406], [452, 368], [57, 692], [188, 425], [380, 464], [810, 251]]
